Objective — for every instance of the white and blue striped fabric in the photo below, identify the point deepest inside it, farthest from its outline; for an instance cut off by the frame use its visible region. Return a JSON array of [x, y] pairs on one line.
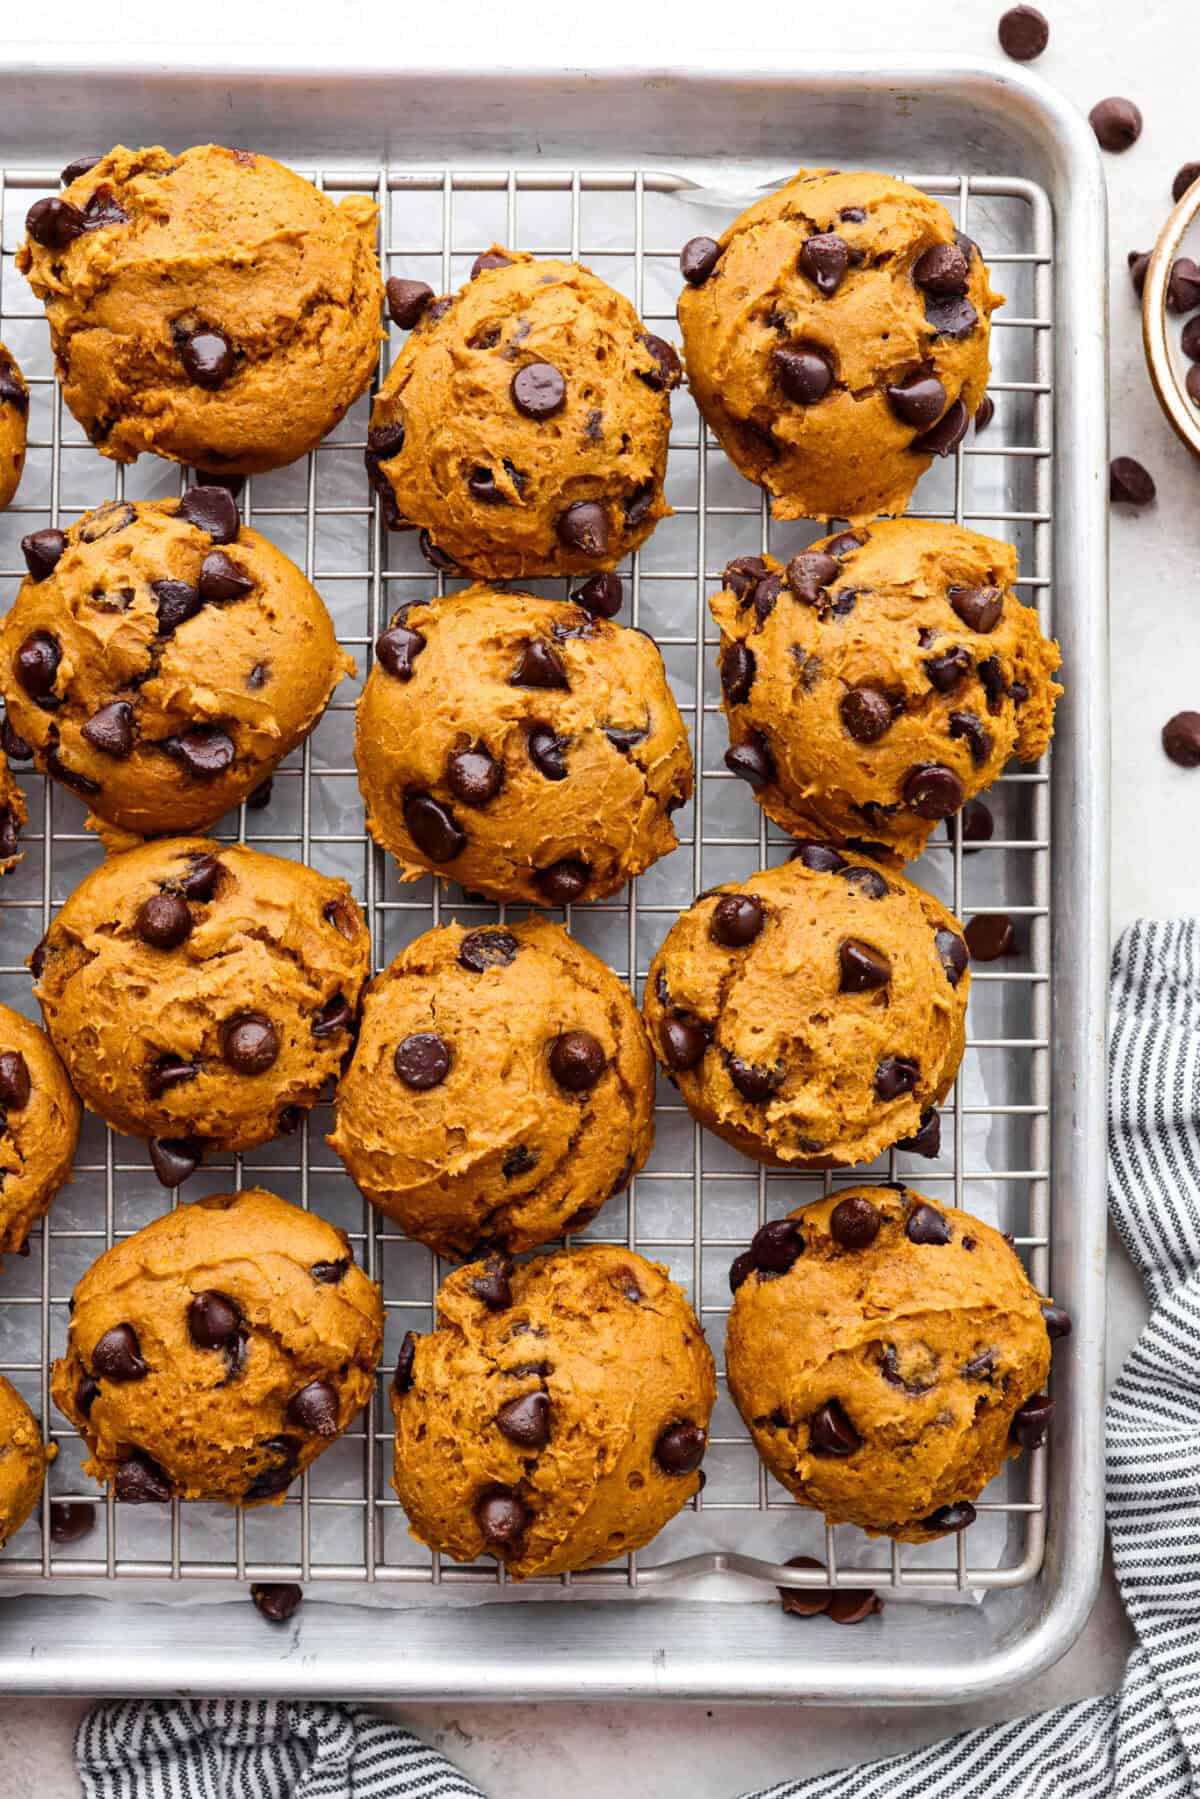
[[1140, 1743]]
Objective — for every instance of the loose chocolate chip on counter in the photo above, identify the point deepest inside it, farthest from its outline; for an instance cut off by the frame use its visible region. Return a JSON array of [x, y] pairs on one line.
[[200, 882], [538, 390], [176, 602], [15, 1084], [12, 743], [397, 649], [402, 1380], [866, 713], [753, 1082], [926, 1225], [601, 594], [736, 921], [54, 223], [474, 776], [539, 666], [830, 1431], [213, 1320], [1057, 1321], [1189, 173], [174, 1159], [111, 730], [855, 1222], [407, 300], [979, 608], [777, 1245], [277, 1599], [751, 762], [164, 921], [698, 259], [488, 948], [804, 1602], [970, 727], [990, 935], [492, 1286], [207, 357], [680, 1448], [952, 954], [738, 668], [42, 550], [947, 434], [526, 1421], [433, 827], [250, 1043], [862, 968], [821, 858], [80, 166], [168, 1072], [577, 1061], [335, 1015], [743, 574], [36, 664], [868, 881], [933, 791], [1023, 32], [919, 401], [1116, 122], [1129, 484], [683, 1044], [547, 752], [805, 375], [70, 1520], [205, 751], [584, 527], [118, 1356], [1183, 286], [315, 1408], [422, 1060], [1031, 1421], [896, 1075], [667, 371], [503, 1519], [564, 880], [824, 259], [140, 1481]]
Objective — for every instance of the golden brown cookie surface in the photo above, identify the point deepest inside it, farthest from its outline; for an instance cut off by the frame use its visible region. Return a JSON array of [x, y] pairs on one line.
[[14, 417], [523, 426], [14, 815], [212, 307], [501, 1090], [40, 1131], [814, 1013], [216, 1352], [23, 1459], [879, 1350], [562, 1424], [872, 687], [521, 747], [164, 658], [839, 342], [198, 990]]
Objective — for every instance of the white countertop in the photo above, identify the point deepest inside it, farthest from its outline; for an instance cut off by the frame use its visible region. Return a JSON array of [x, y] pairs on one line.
[[1097, 47]]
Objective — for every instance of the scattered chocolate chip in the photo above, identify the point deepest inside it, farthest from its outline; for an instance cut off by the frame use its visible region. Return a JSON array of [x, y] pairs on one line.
[[830, 1431], [804, 1602], [698, 259], [854, 1222], [805, 375], [869, 882], [407, 300], [36, 664], [583, 527], [754, 1083], [80, 166], [736, 921], [433, 827], [276, 1600], [919, 401], [526, 1421], [738, 669], [335, 1015], [564, 880], [488, 948], [952, 954], [222, 580], [492, 1286], [896, 1075], [947, 434], [315, 1408], [207, 357], [1139, 263], [667, 371], [577, 1061], [824, 259], [168, 1072], [54, 223], [862, 968], [402, 1380], [1129, 484], [174, 1159], [751, 762], [941, 270], [821, 858], [164, 920], [250, 1043], [1189, 173], [205, 751], [1116, 122], [200, 882], [213, 1320], [1189, 340], [422, 1060], [979, 608], [503, 1519], [70, 1520], [970, 727], [140, 1481], [990, 935], [15, 1084], [680, 1448], [1023, 32], [1192, 383], [601, 594], [1183, 285], [118, 1356], [866, 713], [539, 665], [926, 1225], [777, 1245], [932, 790]]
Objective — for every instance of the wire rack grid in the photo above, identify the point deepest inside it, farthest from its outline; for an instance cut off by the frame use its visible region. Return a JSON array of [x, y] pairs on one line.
[[697, 1203]]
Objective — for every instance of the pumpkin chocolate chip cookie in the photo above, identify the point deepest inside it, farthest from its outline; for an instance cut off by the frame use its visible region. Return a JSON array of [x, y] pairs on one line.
[[502, 1088], [881, 680], [212, 307], [813, 1015], [39, 1127], [523, 427], [14, 415], [23, 1459], [836, 340], [520, 746], [216, 1352], [557, 1416], [161, 659], [887, 1354], [202, 993]]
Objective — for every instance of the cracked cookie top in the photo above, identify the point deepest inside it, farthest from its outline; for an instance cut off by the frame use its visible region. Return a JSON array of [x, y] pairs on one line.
[[202, 991], [216, 1352], [887, 1354], [161, 658], [557, 1416], [522, 747], [501, 1090], [14, 418], [39, 1127], [212, 307], [836, 340]]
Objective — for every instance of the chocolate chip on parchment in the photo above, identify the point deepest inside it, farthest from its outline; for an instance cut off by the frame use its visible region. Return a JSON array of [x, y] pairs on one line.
[[174, 1159], [583, 527], [1139, 263], [492, 1285], [736, 921], [919, 401], [487, 948], [1024, 33], [866, 713], [407, 300], [526, 1421], [36, 664], [213, 1319], [402, 1379], [1181, 739], [422, 1060], [926, 1225], [751, 762], [164, 920], [862, 968], [855, 1222], [433, 827], [825, 258], [250, 1043], [205, 751], [830, 1431], [54, 223], [118, 1356], [1129, 484], [564, 880], [503, 1519], [680, 1448], [70, 1520], [140, 1481], [1116, 122], [805, 374], [276, 1599], [698, 259], [474, 776]]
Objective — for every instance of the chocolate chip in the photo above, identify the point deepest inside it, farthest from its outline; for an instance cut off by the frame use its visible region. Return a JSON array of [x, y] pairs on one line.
[[539, 666], [751, 762], [205, 751], [1023, 32], [1183, 285], [42, 550], [1189, 173], [103, 209], [830, 1431], [844, 543], [222, 580], [547, 752], [487, 949], [583, 527], [331, 1274], [933, 791], [489, 259], [200, 881], [434, 557], [975, 825], [250, 1043], [821, 858], [118, 1356], [824, 259], [896, 1075], [15, 1085], [54, 223], [168, 1072], [407, 300], [176, 603], [990, 935], [1192, 383], [164, 920], [741, 1268], [866, 713], [383, 442], [492, 1286], [601, 594], [69, 776], [919, 401], [952, 954], [36, 664], [70, 1520], [736, 921], [563, 881], [1116, 122], [667, 372], [985, 412], [738, 669], [1189, 340], [805, 375], [854, 1222], [850, 1605], [804, 1602], [698, 259], [1139, 263], [503, 1519], [422, 1060], [12, 390], [753, 1082], [397, 649], [12, 743], [111, 730], [869, 882], [526, 1421], [1031, 1421], [80, 166], [213, 1320], [950, 1518], [970, 727], [766, 593], [941, 270], [951, 315], [862, 968], [683, 1044], [680, 1448], [276, 1600], [947, 434], [777, 1245], [743, 574], [174, 1159], [1129, 484], [1058, 1323], [991, 676], [474, 776], [577, 1061], [315, 1408], [538, 390], [275, 1480], [402, 1380], [140, 1481], [638, 504], [207, 357], [335, 1015], [86, 1393], [978, 607], [433, 827], [926, 1225]]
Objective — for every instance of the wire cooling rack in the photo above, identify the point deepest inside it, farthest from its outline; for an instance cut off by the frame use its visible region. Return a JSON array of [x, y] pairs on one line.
[[698, 1202]]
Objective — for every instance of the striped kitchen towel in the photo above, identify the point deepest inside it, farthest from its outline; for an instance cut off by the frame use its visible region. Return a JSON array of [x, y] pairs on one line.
[[1143, 1742]]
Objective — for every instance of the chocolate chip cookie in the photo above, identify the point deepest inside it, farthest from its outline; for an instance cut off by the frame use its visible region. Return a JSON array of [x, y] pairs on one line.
[[881, 680], [39, 1127], [216, 1352], [14, 415], [23, 1460], [201, 993], [212, 307], [887, 1353], [557, 1416], [161, 659], [502, 1088], [523, 747], [14, 816], [836, 340], [813, 1015], [523, 427]]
